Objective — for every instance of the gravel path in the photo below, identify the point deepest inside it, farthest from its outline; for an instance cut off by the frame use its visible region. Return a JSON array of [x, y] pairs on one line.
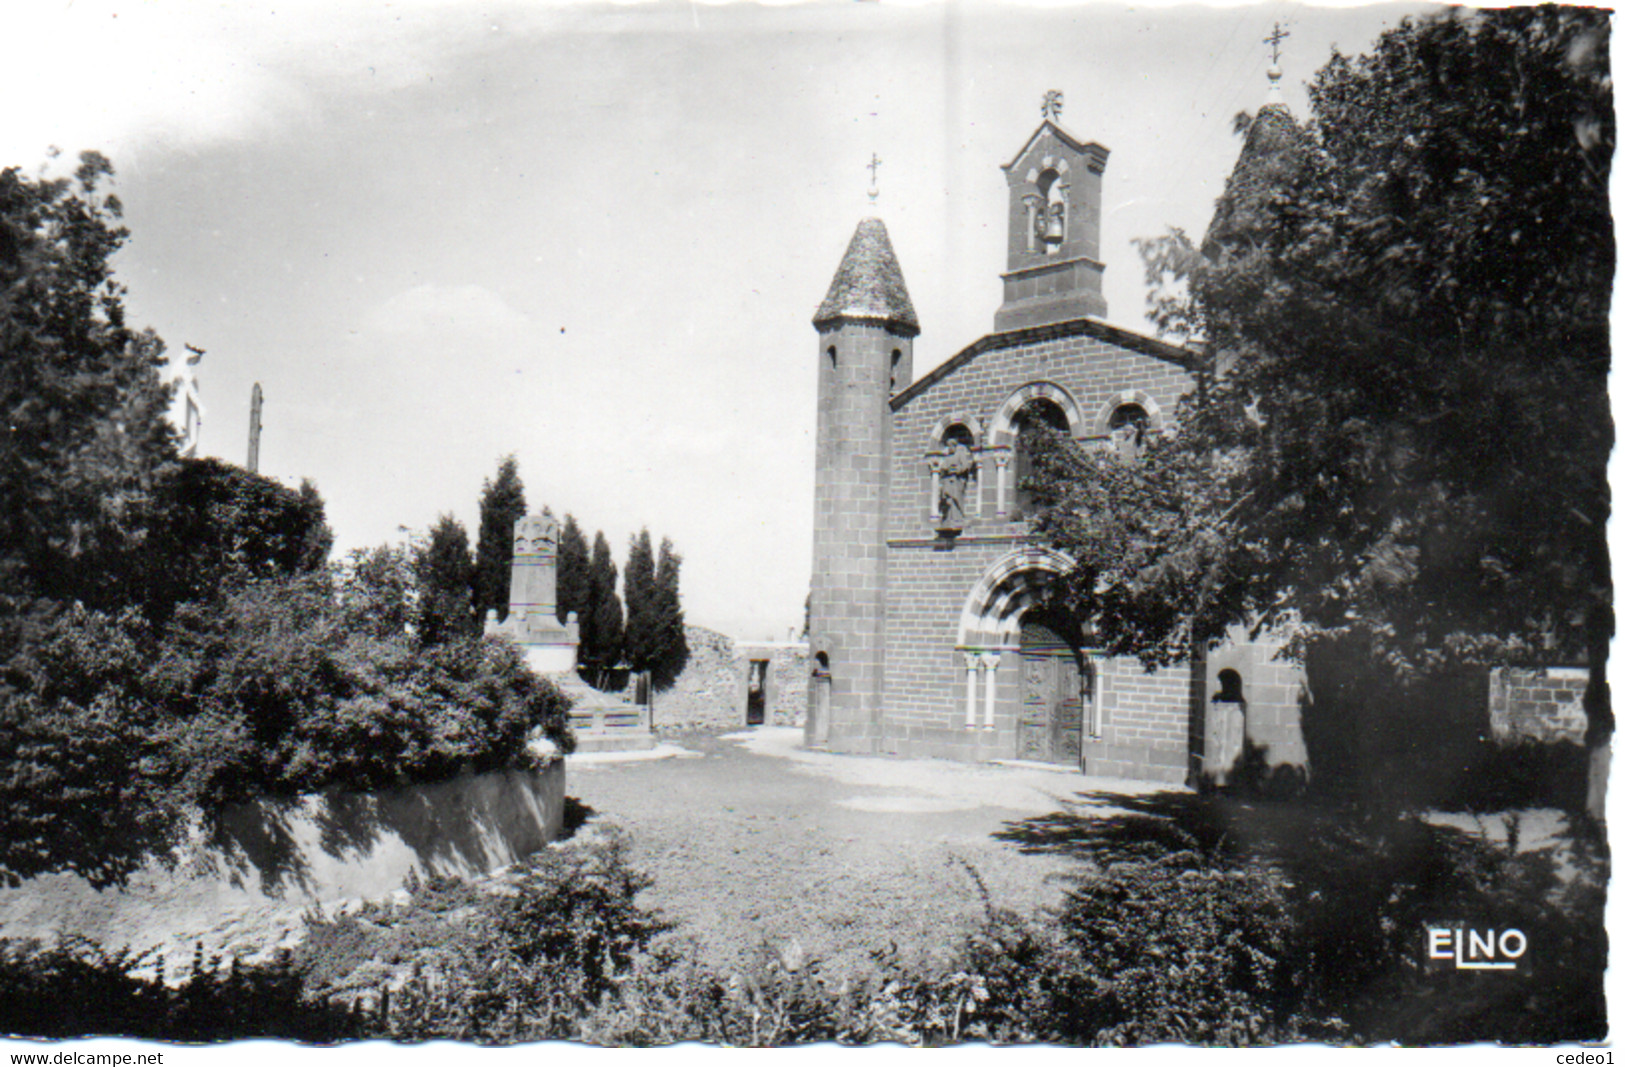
[[755, 843]]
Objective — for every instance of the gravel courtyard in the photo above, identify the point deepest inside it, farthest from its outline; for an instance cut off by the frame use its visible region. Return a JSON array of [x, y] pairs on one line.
[[755, 843]]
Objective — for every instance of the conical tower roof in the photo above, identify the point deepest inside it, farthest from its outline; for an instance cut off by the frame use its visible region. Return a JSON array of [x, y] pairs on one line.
[[1272, 151], [868, 285]]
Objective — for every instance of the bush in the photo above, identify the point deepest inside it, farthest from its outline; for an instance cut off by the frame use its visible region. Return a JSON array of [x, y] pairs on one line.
[[1368, 895], [529, 962], [76, 989], [212, 527], [112, 730]]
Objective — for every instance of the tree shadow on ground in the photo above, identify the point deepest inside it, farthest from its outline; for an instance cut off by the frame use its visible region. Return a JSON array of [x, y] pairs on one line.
[[576, 815], [1103, 827], [1364, 887]]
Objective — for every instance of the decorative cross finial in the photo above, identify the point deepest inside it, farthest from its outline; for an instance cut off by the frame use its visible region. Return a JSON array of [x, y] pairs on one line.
[[1274, 99], [1274, 41], [874, 176], [1052, 104]]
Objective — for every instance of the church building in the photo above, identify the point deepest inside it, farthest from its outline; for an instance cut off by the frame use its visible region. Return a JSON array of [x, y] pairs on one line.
[[928, 631]]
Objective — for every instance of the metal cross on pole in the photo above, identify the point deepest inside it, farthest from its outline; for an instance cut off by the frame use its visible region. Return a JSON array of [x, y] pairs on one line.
[[873, 168], [1274, 41]]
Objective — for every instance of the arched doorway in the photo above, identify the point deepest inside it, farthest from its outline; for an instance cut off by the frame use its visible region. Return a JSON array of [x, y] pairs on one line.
[[1057, 691], [818, 692]]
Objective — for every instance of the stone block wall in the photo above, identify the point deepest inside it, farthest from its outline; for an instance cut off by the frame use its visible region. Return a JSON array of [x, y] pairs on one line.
[[709, 691], [1271, 689], [1092, 373], [1144, 720], [243, 890], [1538, 704]]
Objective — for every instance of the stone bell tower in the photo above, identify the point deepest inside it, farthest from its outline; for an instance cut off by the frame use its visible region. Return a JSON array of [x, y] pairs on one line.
[[866, 329], [1055, 272]]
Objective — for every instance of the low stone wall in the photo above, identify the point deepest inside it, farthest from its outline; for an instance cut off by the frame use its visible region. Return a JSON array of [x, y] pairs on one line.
[[711, 690], [1538, 705], [243, 891]]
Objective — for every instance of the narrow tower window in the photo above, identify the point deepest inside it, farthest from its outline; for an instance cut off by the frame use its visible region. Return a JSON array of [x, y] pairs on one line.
[[832, 360], [896, 358]]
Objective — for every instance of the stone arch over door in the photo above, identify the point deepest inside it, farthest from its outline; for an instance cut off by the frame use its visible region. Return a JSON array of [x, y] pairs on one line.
[[991, 617], [1025, 674]]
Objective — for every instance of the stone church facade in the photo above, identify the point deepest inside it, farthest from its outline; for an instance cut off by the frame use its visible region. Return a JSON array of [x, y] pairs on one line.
[[927, 632]]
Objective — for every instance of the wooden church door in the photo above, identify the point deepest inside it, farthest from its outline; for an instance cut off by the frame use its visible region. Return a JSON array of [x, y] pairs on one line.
[[1052, 698]]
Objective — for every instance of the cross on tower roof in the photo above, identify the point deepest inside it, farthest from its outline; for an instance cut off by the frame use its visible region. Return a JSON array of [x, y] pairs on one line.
[[873, 167], [1052, 104], [1274, 41]]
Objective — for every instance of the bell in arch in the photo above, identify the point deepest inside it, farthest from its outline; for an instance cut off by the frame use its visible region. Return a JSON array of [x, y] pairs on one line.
[[1055, 226]]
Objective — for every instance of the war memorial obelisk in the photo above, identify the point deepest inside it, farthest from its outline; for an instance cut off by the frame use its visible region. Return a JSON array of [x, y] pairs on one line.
[[601, 721]]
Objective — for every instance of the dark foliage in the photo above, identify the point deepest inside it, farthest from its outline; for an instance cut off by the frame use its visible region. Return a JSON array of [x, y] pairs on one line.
[[1358, 892], [75, 989], [112, 730], [81, 400], [502, 504], [1402, 431], [655, 638], [574, 581], [602, 628], [213, 527], [444, 572], [670, 638], [641, 646]]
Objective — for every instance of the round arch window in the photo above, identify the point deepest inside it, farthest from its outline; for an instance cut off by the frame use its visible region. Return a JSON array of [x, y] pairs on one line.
[[1035, 417], [1129, 426]]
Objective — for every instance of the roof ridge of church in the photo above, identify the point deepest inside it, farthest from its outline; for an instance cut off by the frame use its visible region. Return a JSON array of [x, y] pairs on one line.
[[868, 285], [1180, 355]]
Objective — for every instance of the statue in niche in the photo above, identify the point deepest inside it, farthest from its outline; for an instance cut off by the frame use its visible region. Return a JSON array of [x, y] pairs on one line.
[[954, 472]]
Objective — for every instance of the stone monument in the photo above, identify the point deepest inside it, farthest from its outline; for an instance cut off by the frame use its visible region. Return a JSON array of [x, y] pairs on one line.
[[601, 721], [533, 602]]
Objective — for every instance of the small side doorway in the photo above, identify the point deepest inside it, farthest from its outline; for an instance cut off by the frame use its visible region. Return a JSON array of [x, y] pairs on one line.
[[756, 693], [820, 702]]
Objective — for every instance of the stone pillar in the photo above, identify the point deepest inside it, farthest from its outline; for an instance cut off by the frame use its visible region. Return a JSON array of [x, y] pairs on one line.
[[990, 665], [971, 662]]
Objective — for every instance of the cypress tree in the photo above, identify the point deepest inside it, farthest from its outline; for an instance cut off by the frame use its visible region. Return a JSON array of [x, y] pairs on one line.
[[671, 643], [639, 584], [502, 503], [444, 569], [601, 641], [574, 583]]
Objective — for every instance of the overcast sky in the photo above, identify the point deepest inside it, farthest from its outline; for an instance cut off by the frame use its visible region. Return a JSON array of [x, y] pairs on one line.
[[594, 235]]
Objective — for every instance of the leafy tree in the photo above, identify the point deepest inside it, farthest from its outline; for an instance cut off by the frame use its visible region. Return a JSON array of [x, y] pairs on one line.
[[502, 503], [574, 584], [642, 641], [444, 570], [602, 629], [373, 588], [1399, 439], [212, 526], [670, 640], [81, 397]]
